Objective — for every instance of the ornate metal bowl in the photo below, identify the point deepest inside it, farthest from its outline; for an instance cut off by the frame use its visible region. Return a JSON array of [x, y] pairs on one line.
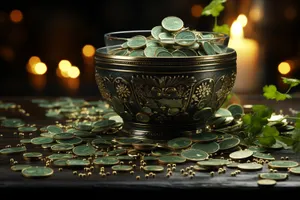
[[165, 96]]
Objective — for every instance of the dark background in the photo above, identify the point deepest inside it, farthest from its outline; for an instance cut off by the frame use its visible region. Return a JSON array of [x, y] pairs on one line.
[[56, 30]]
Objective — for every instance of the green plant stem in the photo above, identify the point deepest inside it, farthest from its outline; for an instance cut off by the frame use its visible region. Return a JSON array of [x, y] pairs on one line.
[[288, 89], [216, 21]]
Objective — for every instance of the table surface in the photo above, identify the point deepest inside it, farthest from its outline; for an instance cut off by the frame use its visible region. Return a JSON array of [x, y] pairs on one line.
[[11, 181]]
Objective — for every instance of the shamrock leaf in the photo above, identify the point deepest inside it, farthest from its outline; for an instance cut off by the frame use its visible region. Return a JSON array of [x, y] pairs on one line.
[[296, 138], [214, 8], [297, 124], [269, 135], [286, 140], [262, 111], [270, 92], [222, 29], [291, 81]]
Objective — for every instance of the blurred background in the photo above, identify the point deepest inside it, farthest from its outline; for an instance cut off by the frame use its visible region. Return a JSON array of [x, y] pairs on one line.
[[47, 48]]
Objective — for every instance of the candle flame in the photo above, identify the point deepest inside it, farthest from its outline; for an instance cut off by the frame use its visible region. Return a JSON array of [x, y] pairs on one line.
[[236, 30]]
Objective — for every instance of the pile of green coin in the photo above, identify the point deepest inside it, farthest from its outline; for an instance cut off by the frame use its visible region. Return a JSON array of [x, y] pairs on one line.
[[88, 137], [172, 39]]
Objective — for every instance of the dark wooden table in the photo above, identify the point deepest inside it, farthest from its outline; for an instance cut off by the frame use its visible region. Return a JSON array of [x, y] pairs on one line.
[[13, 183]]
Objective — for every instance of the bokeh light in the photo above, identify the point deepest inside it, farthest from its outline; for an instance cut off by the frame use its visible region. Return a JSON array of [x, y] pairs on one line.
[[196, 10], [88, 50], [242, 19], [40, 68], [16, 16], [284, 68], [33, 60], [73, 72]]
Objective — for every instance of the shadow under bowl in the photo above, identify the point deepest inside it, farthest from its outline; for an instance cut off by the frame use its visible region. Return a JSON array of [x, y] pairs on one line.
[[165, 97]]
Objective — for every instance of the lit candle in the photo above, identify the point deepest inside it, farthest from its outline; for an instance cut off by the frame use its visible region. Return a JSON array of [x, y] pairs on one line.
[[248, 72]]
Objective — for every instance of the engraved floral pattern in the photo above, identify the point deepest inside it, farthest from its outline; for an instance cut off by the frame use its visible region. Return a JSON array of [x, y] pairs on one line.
[[123, 91], [102, 88]]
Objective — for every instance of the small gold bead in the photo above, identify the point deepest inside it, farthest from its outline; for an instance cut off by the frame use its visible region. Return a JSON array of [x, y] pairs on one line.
[[173, 168], [146, 175], [75, 172], [154, 175], [212, 173], [141, 161], [114, 172], [190, 172], [187, 168], [134, 165], [282, 158], [89, 173], [60, 169], [11, 160], [130, 162], [232, 174], [107, 173], [174, 165], [131, 172], [168, 165], [168, 175], [275, 171], [103, 175], [122, 163], [141, 167], [137, 177], [83, 175], [286, 157], [182, 171], [191, 176], [169, 169]]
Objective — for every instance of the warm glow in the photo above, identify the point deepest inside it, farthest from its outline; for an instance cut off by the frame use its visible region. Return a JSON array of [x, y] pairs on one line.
[[284, 68], [40, 68], [64, 65], [33, 60], [88, 50], [290, 13], [16, 16], [73, 72], [256, 14], [236, 30], [7, 53], [196, 10], [242, 19]]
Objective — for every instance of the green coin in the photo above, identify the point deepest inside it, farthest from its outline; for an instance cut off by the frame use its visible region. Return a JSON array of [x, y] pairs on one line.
[[263, 156], [13, 150], [295, 170], [25, 141], [154, 168], [213, 162], [83, 134], [150, 51], [179, 143], [104, 123], [60, 162], [32, 155], [172, 23], [144, 146], [216, 48], [84, 150], [161, 152], [101, 142], [229, 143], [153, 43], [117, 152], [185, 38], [122, 168], [274, 176], [209, 50], [199, 168], [128, 141], [63, 136], [164, 54], [171, 159], [189, 52], [166, 38], [137, 53], [204, 137], [159, 49], [275, 146], [236, 109], [37, 172], [19, 167], [233, 165], [142, 117], [12, 123], [78, 163], [83, 126], [222, 112], [250, 166], [242, 154], [266, 182], [137, 42], [156, 30], [282, 164], [125, 157], [107, 160], [54, 129], [211, 147], [62, 147], [41, 140], [194, 154], [58, 156], [100, 153], [26, 129], [46, 146], [257, 149], [74, 141], [121, 52], [47, 135], [124, 45], [178, 53], [150, 158]]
